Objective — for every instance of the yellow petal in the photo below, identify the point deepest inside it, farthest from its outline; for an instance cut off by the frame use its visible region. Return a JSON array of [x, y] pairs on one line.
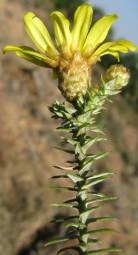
[[82, 23], [112, 48], [129, 45], [98, 33], [38, 33], [31, 55], [62, 30], [119, 45], [102, 48]]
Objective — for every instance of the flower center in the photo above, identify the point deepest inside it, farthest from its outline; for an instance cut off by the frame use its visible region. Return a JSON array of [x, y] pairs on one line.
[[74, 76]]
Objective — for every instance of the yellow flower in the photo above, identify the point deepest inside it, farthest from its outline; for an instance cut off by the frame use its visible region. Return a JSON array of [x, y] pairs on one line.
[[74, 51]]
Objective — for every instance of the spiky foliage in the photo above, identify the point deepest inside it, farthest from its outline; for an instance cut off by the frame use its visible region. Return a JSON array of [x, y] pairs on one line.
[[77, 49], [78, 122]]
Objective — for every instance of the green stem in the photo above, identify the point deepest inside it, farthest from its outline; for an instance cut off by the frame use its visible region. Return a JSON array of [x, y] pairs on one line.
[[83, 241], [79, 123]]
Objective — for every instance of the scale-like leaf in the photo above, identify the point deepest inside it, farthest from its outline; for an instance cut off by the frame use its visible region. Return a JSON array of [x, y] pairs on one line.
[[70, 141], [100, 199], [75, 177], [59, 240], [93, 180], [66, 205], [71, 203], [101, 155], [64, 129], [107, 174], [90, 159], [100, 230], [110, 250], [63, 149], [92, 183], [59, 176], [95, 219], [90, 141], [84, 216], [65, 219], [75, 248], [93, 240], [84, 128], [86, 165], [79, 151], [72, 224], [62, 188], [63, 167]]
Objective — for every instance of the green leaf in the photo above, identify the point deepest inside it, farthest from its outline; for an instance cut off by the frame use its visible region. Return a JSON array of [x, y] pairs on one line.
[[110, 250], [75, 178], [62, 220], [84, 216], [93, 182], [64, 129], [59, 176], [60, 110], [100, 230], [73, 200], [100, 199], [97, 130], [71, 203], [95, 219], [63, 149], [107, 174], [97, 194], [79, 151], [63, 167], [101, 155], [62, 188], [66, 205], [85, 128], [86, 165], [70, 141], [90, 141], [72, 224], [75, 248], [90, 159], [59, 240], [93, 240]]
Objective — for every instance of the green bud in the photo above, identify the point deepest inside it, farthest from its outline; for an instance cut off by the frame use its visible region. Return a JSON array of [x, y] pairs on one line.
[[116, 77]]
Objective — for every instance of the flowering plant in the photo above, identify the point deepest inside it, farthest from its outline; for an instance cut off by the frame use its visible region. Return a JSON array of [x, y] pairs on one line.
[[72, 57]]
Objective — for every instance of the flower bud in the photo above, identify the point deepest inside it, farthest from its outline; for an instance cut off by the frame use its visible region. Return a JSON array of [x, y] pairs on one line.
[[116, 77]]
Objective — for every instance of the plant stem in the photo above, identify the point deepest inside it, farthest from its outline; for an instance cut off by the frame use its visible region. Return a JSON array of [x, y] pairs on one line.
[[78, 121]]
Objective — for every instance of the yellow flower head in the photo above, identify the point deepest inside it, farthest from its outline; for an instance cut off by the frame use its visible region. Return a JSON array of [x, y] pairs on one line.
[[75, 49]]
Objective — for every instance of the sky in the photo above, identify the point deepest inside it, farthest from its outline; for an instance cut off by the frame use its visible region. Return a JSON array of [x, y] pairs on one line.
[[126, 27]]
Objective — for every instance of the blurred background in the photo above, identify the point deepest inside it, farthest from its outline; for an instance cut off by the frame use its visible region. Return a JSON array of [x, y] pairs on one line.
[[27, 134]]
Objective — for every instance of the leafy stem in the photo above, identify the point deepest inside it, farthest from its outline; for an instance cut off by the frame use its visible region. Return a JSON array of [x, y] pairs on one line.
[[78, 123]]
